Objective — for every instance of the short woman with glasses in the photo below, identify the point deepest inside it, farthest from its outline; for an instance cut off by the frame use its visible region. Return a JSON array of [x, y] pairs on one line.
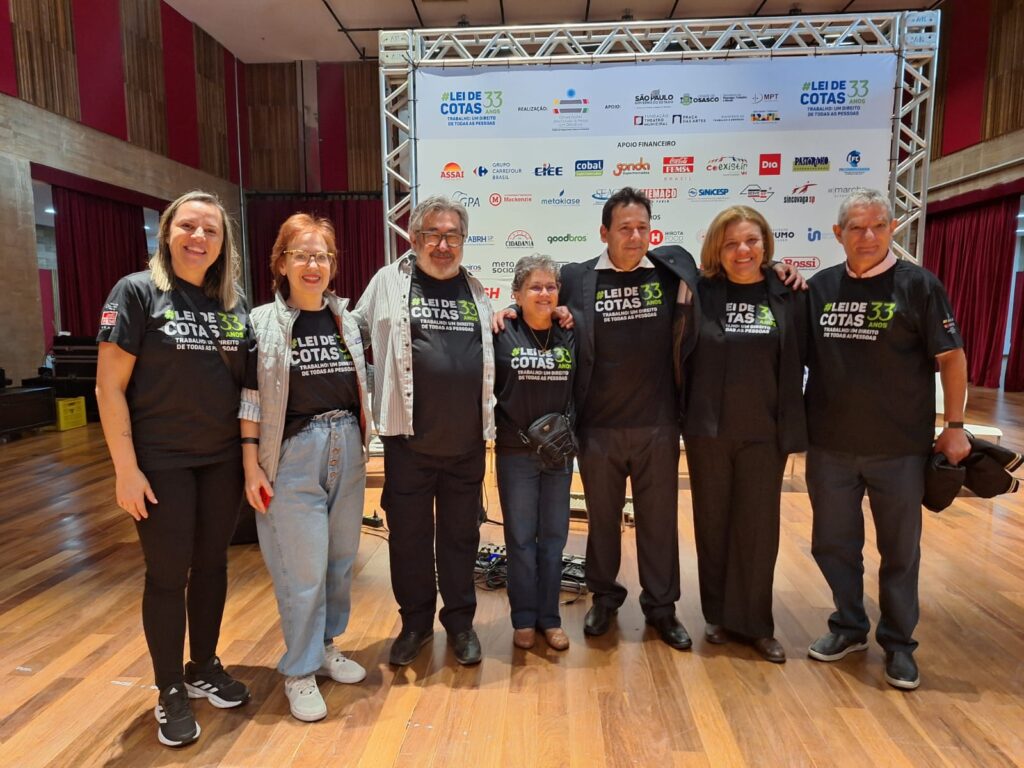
[[304, 437], [534, 367]]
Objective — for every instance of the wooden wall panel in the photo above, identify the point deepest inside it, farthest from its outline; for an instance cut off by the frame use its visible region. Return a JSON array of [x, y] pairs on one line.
[[144, 74], [44, 48], [212, 113], [1004, 89], [272, 97], [362, 108], [939, 92]]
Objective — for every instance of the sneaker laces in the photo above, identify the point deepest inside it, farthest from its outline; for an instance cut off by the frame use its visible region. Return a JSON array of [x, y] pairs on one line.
[[215, 674], [333, 656], [174, 702], [303, 686]]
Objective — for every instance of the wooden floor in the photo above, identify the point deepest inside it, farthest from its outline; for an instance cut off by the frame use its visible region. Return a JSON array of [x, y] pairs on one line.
[[75, 678]]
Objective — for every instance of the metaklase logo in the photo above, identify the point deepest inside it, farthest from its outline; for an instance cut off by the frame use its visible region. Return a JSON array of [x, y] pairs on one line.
[[677, 164], [519, 238], [729, 165], [561, 200], [654, 99], [589, 167], [764, 117], [452, 171], [567, 238], [811, 163], [854, 167], [767, 96], [707, 193], [802, 194], [657, 237], [707, 98], [467, 201], [547, 170], [632, 169], [770, 164], [757, 193], [803, 262]]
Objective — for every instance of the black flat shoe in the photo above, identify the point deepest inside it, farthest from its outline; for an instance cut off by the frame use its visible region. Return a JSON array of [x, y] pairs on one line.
[[672, 632], [901, 670], [466, 646], [407, 646], [598, 619], [713, 633]]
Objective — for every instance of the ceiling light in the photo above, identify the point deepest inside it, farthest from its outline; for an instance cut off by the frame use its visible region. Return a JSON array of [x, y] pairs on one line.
[[48, 210]]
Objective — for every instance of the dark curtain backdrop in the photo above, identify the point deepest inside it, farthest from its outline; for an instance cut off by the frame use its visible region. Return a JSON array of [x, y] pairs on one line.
[[358, 226], [99, 241], [971, 251]]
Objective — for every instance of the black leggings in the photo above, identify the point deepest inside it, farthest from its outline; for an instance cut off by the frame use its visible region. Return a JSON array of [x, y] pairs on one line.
[[185, 541]]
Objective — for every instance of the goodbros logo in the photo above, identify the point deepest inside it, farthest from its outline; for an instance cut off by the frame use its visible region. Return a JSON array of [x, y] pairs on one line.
[[469, 108], [677, 164], [641, 167], [803, 194], [452, 171], [728, 165], [808, 163], [567, 238], [519, 238], [589, 167]]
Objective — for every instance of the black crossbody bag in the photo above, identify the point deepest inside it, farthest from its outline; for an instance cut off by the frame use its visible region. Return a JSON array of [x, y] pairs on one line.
[[551, 437]]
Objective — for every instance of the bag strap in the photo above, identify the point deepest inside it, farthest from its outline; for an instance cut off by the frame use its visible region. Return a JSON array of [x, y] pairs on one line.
[[216, 341]]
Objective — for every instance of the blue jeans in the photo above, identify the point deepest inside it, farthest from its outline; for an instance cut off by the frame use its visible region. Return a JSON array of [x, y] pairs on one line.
[[535, 508], [310, 535]]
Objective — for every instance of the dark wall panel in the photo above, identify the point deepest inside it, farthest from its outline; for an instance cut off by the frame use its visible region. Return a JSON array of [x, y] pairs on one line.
[[330, 86], [8, 72], [100, 65], [180, 86]]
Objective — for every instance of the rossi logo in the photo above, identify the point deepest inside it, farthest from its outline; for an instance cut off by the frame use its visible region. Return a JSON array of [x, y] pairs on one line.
[[803, 262]]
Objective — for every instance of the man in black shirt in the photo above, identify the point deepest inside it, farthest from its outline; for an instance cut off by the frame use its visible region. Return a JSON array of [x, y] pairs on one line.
[[624, 303], [878, 326]]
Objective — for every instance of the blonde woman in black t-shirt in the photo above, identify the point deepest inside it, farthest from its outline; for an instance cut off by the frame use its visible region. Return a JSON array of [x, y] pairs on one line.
[[743, 414], [172, 350]]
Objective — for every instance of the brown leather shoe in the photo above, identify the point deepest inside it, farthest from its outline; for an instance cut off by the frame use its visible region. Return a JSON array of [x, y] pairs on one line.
[[713, 633], [524, 638], [556, 638], [770, 649]]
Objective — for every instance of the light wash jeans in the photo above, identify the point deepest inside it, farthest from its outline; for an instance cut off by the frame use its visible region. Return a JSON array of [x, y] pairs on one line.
[[310, 535]]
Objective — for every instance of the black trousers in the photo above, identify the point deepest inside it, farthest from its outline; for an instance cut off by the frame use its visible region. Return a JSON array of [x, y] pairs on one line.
[[736, 492], [415, 485], [836, 483], [649, 457], [185, 544]]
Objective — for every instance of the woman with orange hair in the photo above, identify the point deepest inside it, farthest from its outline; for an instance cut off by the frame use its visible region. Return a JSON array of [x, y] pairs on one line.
[[304, 440]]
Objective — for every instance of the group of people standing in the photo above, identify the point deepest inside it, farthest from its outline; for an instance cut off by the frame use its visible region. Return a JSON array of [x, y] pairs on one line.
[[633, 348]]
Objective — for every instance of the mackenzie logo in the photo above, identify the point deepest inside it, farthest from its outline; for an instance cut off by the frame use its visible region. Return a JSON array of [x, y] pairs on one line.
[[452, 171], [519, 238], [495, 199]]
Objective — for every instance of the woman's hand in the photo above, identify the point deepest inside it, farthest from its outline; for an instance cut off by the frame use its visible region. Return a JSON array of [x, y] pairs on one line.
[[132, 490], [257, 487]]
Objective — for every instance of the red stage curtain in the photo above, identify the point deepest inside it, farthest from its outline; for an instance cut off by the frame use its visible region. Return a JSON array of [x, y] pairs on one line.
[[358, 224], [971, 251], [99, 241]]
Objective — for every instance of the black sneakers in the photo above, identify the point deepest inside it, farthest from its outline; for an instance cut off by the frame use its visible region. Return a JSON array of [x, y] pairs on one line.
[[210, 681], [901, 670], [177, 726], [833, 647]]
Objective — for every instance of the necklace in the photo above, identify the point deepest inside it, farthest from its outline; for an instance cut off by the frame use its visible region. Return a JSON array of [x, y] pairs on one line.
[[547, 340]]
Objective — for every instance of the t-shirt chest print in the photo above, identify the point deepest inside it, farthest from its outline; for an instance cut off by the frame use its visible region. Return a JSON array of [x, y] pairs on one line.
[[433, 314], [744, 317], [198, 333], [533, 364], [631, 302], [319, 354], [856, 320]]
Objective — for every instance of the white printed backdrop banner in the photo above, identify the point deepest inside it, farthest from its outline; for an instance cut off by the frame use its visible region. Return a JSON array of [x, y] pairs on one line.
[[533, 153]]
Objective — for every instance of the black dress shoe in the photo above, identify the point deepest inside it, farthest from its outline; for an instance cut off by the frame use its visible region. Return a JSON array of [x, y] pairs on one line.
[[407, 646], [466, 646], [672, 632], [901, 670], [598, 619], [833, 647], [713, 633], [770, 649]]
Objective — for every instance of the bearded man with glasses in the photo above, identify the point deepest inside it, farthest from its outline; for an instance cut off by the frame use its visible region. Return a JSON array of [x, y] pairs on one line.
[[429, 322]]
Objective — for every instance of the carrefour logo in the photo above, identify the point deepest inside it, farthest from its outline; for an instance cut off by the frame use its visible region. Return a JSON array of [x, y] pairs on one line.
[[589, 167]]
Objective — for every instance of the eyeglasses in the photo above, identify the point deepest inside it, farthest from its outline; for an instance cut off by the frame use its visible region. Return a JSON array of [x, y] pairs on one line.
[[322, 258], [454, 239], [549, 288]]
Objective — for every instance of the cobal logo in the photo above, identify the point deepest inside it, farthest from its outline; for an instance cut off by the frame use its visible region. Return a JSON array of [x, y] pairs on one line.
[[641, 166], [467, 201], [567, 238], [589, 167], [686, 99], [802, 194], [452, 171], [770, 165], [854, 164], [677, 164], [833, 92], [654, 99], [707, 193], [561, 200], [757, 193], [519, 238], [811, 163], [547, 170], [802, 262], [764, 117], [730, 165]]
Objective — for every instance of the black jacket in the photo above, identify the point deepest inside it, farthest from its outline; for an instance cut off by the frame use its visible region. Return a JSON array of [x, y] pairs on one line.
[[702, 406], [579, 286]]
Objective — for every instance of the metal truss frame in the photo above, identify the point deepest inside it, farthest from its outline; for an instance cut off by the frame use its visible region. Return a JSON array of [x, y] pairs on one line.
[[912, 36]]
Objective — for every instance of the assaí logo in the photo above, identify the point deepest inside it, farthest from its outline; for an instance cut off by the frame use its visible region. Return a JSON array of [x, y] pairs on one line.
[[802, 194], [561, 200], [452, 171], [640, 167], [519, 238], [654, 98], [728, 165]]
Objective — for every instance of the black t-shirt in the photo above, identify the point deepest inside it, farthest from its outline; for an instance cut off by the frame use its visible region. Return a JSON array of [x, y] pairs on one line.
[[871, 389], [533, 377], [182, 398], [750, 392], [632, 383], [322, 376], [447, 366]]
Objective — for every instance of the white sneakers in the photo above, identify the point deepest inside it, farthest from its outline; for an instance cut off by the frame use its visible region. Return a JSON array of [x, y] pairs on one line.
[[303, 694]]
